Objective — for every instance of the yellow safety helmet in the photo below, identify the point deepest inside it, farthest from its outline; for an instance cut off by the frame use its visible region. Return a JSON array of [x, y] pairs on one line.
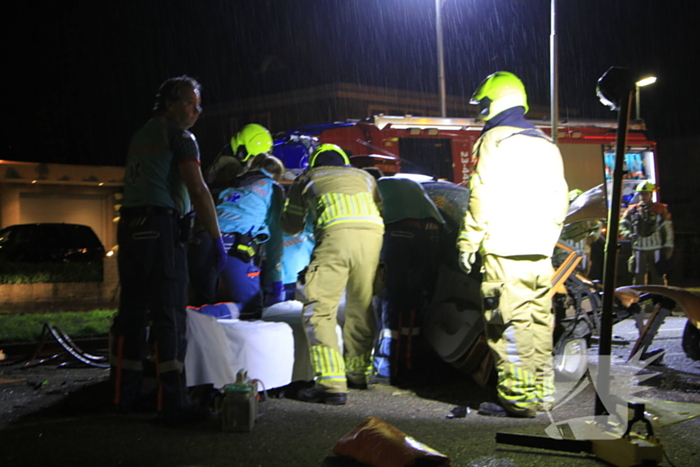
[[254, 138], [327, 147], [645, 186], [498, 92]]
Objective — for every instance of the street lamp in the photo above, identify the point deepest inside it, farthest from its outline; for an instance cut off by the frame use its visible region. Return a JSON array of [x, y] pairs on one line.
[[553, 71], [441, 60], [641, 83]]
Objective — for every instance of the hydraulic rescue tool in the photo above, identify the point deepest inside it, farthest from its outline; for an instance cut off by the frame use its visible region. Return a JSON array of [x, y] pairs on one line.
[[629, 450]]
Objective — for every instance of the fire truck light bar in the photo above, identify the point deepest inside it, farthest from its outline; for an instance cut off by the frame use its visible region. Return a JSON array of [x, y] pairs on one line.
[[423, 123]]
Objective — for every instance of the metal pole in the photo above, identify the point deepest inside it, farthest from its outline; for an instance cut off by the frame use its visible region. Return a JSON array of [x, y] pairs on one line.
[[610, 262], [554, 73], [441, 61], [636, 98]]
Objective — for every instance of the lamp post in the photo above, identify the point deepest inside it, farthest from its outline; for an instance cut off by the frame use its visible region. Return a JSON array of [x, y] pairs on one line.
[[641, 83], [441, 60]]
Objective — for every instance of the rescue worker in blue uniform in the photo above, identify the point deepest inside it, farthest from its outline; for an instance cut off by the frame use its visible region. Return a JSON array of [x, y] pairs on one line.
[[515, 236], [344, 204], [249, 213], [162, 178], [248, 207], [649, 226], [411, 259], [236, 156]]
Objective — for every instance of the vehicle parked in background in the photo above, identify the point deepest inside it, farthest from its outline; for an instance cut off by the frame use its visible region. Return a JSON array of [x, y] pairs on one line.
[[50, 243]]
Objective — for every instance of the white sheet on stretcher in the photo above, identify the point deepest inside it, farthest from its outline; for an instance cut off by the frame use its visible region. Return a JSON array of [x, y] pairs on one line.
[[290, 312], [218, 349]]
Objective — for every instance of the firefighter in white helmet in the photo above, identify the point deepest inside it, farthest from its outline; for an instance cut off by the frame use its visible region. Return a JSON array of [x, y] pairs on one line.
[[649, 227], [344, 205], [515, 236]]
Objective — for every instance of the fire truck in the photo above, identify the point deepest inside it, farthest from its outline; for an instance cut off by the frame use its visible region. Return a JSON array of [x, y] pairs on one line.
[[443, 148]]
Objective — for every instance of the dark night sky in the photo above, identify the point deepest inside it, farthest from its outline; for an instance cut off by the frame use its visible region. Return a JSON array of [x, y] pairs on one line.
[[83, 74]]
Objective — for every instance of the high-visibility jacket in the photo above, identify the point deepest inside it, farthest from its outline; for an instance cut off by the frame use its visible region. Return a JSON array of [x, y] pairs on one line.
[[648, 226], [335, 197], [519, 197]]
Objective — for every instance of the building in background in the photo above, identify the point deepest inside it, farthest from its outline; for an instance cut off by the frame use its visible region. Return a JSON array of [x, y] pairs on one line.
[[33, 192]]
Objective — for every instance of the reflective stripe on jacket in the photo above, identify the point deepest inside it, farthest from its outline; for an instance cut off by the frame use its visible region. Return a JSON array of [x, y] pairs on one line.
[[335, 197], [658, 235]]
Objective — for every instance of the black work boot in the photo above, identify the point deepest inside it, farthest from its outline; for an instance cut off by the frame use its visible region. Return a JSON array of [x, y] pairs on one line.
[[491, 409], [126, 387], [353, 385], [177, 408], [319, 395]]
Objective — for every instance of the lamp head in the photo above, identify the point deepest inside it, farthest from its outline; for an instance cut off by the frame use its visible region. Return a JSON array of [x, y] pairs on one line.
[[613, 86]]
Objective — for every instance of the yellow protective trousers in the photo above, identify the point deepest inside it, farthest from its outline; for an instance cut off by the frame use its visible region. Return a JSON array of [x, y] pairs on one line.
[[343, 259], [519, 325]]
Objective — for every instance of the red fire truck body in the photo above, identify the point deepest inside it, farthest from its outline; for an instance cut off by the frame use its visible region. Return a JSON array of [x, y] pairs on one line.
[[443, 148]]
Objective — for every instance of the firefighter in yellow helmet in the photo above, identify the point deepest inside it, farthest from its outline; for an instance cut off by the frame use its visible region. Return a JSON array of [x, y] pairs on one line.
[[234, 159], [344, 205], [649, 227], [253, 139], [515, 236]]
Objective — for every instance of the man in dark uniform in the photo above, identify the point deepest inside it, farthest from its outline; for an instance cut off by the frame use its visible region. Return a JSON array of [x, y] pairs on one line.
[[163, 178]]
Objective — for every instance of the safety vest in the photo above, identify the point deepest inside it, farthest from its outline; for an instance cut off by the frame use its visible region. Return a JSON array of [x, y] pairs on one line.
[[648, 226]]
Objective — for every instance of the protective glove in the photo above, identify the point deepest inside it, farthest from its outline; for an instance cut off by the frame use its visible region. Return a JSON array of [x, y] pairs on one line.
[[466, 260], [221, 254], [274, 293]]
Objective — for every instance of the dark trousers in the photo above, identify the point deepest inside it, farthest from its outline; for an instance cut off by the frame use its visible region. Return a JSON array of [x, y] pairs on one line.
[[411, 255], [202, 262], [242, 281], [153, 276], [240, 278]]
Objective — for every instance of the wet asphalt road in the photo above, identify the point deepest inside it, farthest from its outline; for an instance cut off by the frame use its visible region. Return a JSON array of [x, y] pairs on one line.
[[57, 416]]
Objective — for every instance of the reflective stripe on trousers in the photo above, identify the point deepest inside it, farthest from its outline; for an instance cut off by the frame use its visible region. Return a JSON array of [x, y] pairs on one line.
[[343, 259]]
